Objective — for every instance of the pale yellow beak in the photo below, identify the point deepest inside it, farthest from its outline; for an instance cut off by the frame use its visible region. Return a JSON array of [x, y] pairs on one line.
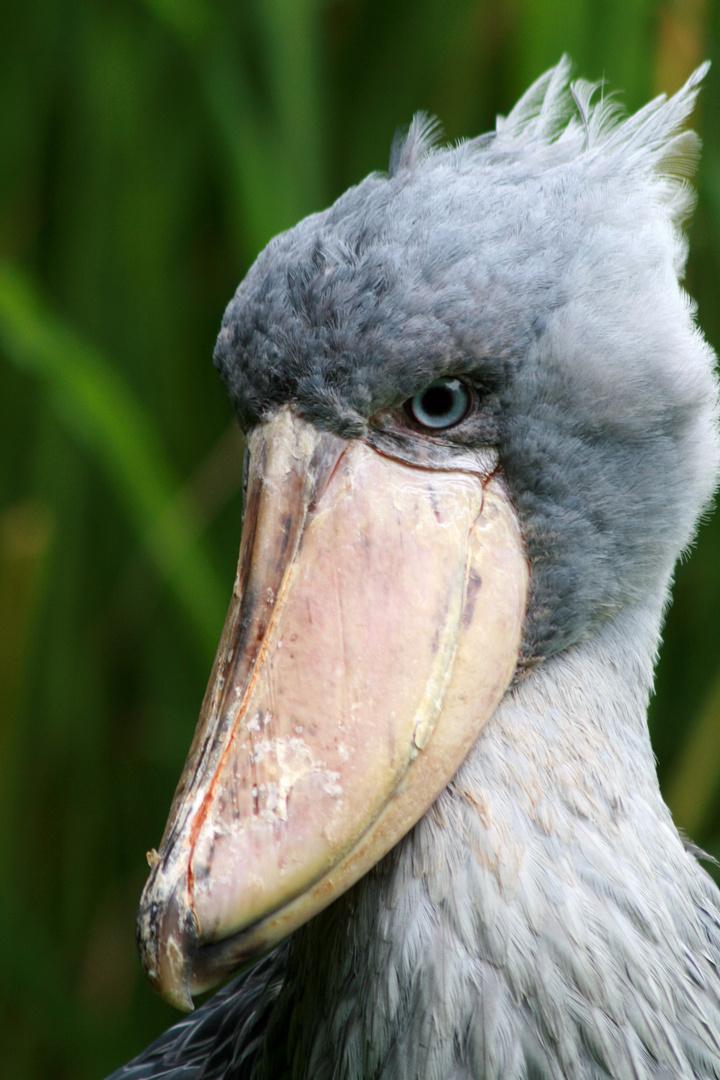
[[374, 626]]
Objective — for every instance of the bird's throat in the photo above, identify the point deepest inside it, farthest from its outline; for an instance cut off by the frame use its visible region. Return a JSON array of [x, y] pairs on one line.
[[476, 933]]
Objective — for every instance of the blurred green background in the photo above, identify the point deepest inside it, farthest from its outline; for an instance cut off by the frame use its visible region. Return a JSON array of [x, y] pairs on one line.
[[149, 149]]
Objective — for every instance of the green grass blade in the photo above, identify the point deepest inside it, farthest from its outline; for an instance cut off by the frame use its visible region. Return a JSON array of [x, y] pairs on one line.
[[275, 171], [692, 790], [98, 406]]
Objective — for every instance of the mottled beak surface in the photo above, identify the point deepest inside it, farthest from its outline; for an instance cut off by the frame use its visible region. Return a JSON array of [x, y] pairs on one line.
[[374, 626]]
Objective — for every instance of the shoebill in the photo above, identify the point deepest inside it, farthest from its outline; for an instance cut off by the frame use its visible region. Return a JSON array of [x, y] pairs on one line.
[[421, 798]]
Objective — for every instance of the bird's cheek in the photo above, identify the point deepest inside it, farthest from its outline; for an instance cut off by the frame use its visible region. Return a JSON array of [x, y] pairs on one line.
[[374, 628]]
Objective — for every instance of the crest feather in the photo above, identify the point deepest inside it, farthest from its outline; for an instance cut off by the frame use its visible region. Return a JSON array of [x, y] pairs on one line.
[[410, 146], [542, 109], [557, 121]]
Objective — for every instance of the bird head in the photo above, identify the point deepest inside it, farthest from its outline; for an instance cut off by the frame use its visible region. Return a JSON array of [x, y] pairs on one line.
[[481, 423]]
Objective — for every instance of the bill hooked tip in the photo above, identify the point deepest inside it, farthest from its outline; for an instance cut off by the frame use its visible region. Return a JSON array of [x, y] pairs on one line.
[[167, 937]]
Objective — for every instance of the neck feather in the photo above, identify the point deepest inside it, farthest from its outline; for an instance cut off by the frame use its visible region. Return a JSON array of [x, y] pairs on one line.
[[542, 919]]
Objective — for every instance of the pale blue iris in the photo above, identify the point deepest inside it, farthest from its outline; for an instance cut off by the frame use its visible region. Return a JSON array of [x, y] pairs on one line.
[[442, 404]]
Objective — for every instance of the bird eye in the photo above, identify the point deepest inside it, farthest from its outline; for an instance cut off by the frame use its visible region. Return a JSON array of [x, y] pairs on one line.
[[442, 404]]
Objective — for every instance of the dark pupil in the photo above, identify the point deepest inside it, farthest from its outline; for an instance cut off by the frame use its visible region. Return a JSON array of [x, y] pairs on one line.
[[437, 401]]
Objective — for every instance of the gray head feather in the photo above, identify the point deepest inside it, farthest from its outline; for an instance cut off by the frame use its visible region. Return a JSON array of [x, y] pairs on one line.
[[411, 146], [541, 262]]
